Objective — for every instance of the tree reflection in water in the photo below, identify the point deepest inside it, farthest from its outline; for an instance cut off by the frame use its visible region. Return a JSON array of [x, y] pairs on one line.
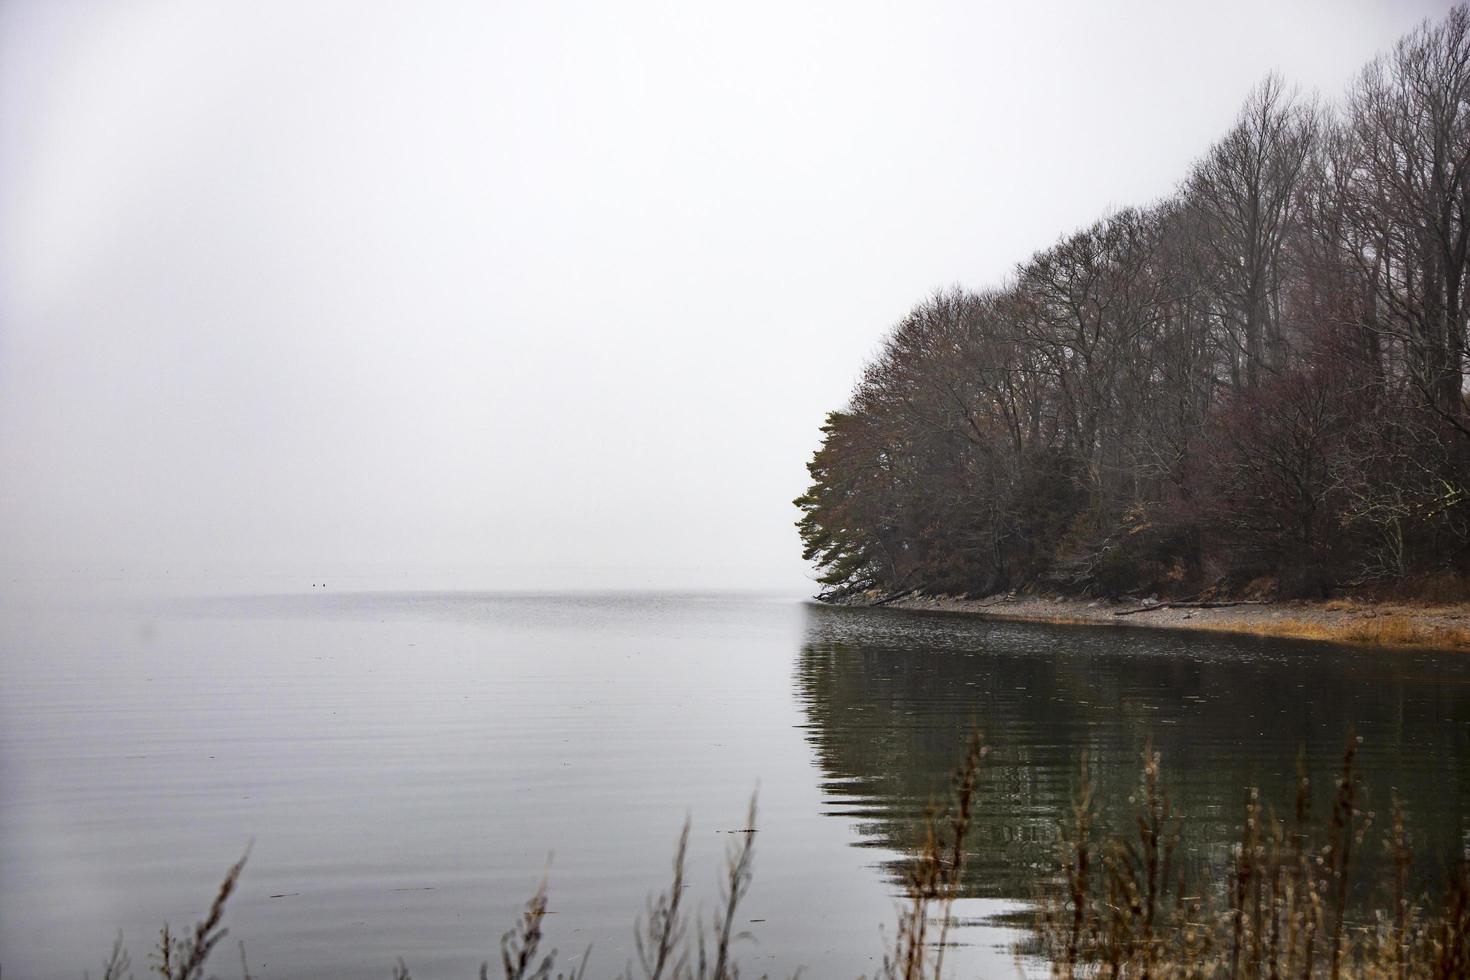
[[889, 696]]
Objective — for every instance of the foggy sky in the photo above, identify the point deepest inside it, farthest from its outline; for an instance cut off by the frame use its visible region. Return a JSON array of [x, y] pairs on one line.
[[541, 293]]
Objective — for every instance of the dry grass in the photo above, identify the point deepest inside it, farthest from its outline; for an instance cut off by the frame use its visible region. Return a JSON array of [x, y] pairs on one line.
[[1284, 908], [1119, 905], [932, 882], [184, 957], [1386, 629]]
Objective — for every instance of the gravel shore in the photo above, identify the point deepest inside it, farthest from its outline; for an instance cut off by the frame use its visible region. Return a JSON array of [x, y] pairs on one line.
[[1338, 620]]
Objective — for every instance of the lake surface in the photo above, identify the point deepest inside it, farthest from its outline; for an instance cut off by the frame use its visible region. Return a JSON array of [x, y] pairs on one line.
[[405, 767]]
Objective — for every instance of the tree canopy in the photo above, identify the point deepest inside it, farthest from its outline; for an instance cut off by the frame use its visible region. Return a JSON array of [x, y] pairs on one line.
[[1260, 379]]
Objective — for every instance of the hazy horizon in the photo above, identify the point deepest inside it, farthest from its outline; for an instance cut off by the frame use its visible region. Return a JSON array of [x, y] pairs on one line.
[[524, 296]]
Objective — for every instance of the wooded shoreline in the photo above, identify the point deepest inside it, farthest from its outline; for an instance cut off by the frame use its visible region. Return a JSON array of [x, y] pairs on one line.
[[1352, 621], [1257, 385]]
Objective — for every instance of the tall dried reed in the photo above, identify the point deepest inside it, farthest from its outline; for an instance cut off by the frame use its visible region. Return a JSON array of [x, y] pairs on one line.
[[1286, 907], [1119, 904]]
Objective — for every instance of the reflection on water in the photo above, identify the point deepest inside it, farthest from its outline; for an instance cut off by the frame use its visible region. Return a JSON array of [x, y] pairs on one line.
[[406, 763], [889, 695]]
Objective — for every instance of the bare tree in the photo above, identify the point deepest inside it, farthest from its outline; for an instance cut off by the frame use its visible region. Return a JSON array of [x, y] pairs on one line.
[[1410, 118], [1278, 352], [1245, 193]]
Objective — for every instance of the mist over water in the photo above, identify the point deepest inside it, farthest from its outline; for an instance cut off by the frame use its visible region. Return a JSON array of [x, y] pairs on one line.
[[534, 288], [405, 765], [401, 408]]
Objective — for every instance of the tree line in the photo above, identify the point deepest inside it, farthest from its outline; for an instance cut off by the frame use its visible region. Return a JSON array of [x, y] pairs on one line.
[[1256, 384]]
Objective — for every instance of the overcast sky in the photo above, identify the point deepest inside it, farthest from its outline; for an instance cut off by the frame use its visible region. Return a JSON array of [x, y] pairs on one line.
[[544, 292]]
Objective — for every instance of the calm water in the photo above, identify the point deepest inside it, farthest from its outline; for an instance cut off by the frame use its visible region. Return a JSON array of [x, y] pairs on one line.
[[408, 766]]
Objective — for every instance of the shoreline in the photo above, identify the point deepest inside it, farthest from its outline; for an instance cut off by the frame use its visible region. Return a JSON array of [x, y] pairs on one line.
[[1404, 625]]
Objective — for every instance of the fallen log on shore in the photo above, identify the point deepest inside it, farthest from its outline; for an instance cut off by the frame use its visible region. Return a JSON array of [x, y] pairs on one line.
[[1192, 605]]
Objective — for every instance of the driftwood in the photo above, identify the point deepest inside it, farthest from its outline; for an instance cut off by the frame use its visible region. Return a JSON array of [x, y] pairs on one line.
[[894, 597], [1192, 605]]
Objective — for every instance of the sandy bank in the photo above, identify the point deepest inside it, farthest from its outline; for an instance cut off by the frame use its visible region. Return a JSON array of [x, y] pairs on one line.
[[1338, 620]]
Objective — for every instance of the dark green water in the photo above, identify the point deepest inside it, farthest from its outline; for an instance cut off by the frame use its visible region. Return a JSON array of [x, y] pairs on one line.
[[886, 693]]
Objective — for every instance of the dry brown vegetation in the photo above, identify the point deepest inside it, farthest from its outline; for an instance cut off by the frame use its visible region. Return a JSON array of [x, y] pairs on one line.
[[1386, 629], [1120, 903], [1284, 907]]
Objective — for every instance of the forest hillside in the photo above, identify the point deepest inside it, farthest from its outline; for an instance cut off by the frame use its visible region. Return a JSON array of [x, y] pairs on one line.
[[1257, 385]]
